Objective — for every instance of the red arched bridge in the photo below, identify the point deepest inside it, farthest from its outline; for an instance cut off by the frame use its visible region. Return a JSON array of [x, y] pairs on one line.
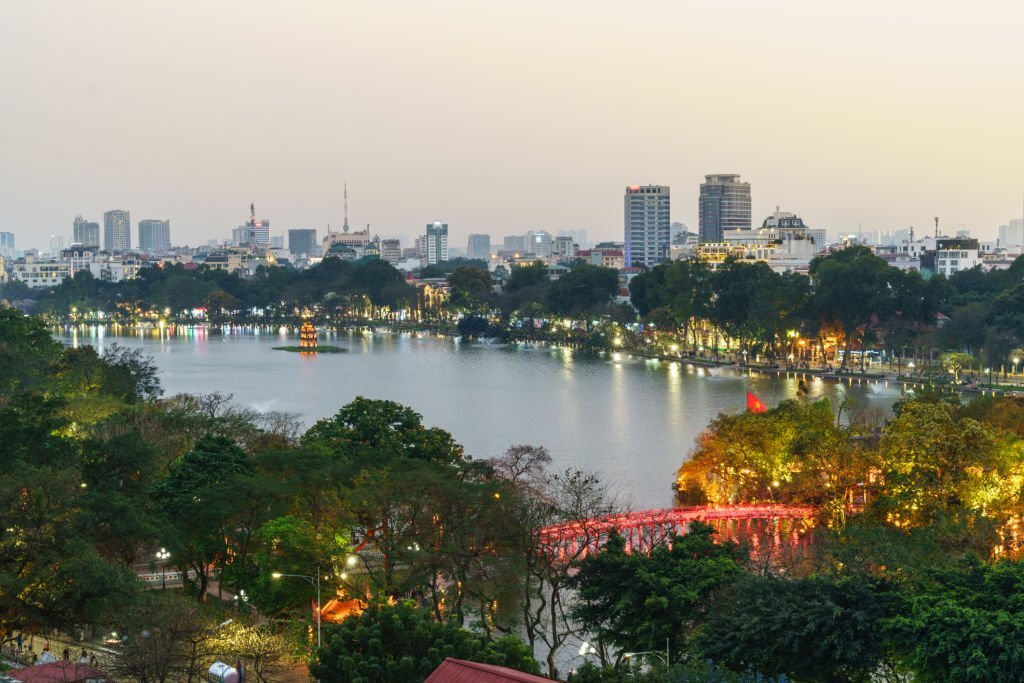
[[775, 526]]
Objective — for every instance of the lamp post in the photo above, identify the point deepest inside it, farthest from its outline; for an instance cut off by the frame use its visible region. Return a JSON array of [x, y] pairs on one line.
[[910, 368], [163, 555], [313, 581]]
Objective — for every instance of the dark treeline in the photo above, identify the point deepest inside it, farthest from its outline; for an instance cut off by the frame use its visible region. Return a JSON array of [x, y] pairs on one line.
[[851, 300], [334, 285]]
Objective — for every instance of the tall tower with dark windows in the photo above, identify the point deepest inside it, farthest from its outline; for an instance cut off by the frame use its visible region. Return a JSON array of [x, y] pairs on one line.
[[724, 205], [155, 235], [117, 230]]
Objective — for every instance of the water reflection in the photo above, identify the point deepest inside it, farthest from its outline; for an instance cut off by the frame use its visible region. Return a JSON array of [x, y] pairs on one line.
[[631, 420]]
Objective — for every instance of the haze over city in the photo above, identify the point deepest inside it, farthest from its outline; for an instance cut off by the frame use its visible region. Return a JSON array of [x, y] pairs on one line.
[[506, 118]]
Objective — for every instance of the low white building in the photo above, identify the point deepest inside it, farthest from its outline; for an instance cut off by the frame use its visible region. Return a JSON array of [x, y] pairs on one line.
[[36, 272]]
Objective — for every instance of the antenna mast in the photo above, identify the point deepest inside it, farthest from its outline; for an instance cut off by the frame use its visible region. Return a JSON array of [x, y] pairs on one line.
[[345, 226], [936, 227]]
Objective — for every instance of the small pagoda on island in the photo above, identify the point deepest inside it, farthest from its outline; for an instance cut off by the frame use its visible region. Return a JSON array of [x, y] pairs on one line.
[[309, 344], [308, 338]]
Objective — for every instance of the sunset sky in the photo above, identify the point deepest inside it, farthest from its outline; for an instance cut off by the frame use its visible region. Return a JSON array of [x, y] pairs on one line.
[[501, 117]]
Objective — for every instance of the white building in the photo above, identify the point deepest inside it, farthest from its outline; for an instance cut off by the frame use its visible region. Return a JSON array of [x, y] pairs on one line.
[[647, 210], [41, 273], [436, 242], [563, 249]]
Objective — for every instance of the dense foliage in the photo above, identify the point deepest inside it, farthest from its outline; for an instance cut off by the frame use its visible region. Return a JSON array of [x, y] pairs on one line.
[[403, 644]]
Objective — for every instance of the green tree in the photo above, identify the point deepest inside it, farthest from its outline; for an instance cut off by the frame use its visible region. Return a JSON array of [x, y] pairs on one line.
[[851, 286], [403, 644], [640, 603], [813, 629], [196, 501], [965, 624], [27, 349], [582, 289], [471, 287], [366, 426]]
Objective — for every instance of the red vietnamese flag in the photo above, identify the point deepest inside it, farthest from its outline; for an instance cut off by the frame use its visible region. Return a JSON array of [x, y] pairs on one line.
[[754, 404]]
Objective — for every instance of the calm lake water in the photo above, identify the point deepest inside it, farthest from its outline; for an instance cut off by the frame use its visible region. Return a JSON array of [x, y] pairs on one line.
[[631, 420]]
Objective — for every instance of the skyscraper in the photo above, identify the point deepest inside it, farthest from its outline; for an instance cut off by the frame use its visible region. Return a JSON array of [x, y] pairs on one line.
[[538, 242], [7, 245], [437, 242], [479, 246], [724, 205], [302, 242], [155, 235], [647, 220], [85, 233], [117, 230]]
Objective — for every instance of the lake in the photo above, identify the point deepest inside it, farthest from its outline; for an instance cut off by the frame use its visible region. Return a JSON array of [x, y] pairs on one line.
[[629, 419]]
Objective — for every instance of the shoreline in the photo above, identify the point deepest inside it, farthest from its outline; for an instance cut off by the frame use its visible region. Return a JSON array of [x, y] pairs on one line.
[[849, 378]]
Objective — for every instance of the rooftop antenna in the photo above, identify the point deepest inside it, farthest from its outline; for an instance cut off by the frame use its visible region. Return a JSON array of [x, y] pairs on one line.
[[345, 226], [936, 227], [911, 233]]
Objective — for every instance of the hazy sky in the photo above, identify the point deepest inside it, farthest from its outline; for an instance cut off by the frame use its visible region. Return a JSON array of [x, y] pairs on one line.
[[501, 117]]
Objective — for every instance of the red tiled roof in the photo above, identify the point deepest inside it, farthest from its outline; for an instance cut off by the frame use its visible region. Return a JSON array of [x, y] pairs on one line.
[[58, 672], [461, 671]]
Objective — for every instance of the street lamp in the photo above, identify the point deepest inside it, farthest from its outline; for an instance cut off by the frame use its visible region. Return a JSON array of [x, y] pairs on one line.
[[163, 555], [660, 655], [313, 581], [241, 598], [664, 656]]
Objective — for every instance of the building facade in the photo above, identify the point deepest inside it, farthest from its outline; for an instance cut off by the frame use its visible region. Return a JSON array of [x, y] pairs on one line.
[[155, 235], [117, 230], [724, 205], [85, 232], [436, 242], [647, 224], [479, 247], [563, 249], [391, 251], [7, 245], [302, 242]]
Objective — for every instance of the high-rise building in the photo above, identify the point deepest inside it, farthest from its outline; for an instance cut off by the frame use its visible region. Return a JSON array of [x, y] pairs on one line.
[[479, 247], [155, 235], [254, 233], [724, 205], [1012, 235], [538, 242], [563, 249], [86, 233], [7, 245], [117, 230], [302, 242], [514, 243], [437, 242], [391, 251], [277, 241], [579, 237], [647, 221]]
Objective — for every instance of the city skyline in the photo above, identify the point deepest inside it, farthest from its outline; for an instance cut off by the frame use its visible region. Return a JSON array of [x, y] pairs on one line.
[[848, 118]]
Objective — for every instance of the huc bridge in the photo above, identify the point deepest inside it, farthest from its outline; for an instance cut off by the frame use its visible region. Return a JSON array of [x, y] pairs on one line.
[[775, 526]]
